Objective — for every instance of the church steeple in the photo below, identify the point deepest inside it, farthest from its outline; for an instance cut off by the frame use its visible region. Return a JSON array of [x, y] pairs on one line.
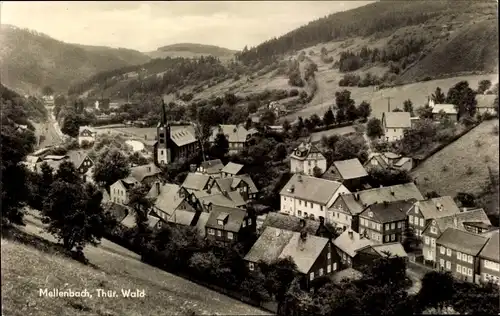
[[163, 113]]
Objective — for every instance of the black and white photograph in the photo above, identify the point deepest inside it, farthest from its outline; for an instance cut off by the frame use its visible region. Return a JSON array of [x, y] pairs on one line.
[[285, 158]]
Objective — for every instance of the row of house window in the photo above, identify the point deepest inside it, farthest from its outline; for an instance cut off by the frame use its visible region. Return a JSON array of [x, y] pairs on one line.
[[393, 226], [338, 215], [492, 265], [119, 192], [415, 221], [329, 269], [306, 204], [430, 241], [311, 216], [491, 278], [346, 258], [371, 224], [219, 233], [309, 163], [464, 270], [464, 257], [392, 237], [235, 145]]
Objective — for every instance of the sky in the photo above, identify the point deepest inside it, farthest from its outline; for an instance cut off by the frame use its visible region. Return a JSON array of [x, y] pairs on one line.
[[147, 25]]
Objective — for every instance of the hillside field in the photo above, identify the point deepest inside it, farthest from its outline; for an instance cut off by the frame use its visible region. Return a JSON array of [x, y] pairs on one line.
[[462, 165], [26, 269]]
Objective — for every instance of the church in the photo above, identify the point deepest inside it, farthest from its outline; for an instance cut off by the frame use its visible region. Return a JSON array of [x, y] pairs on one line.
[[174, 141]]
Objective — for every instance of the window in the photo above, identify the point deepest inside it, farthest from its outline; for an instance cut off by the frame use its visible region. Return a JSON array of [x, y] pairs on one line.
[[464, 270], [251, 267], [370, 214], [386, 226], [362, 221], [459, 256], [299, 213], [379, 227], [334, 266], [422, 223], [448, 265], [328, 269], [393, 237], [244, 224], [311, 276], [305, 214], [426, 240], [410, 218], [322, 207], [433, 242], [321, 272], [219, 233], [305, 203], [220, 222], [469, 272], [312, 205], [441, 262], [491, 265], [459, 268], [386, 238], [229, 235], [211, 231], [448, 252], [469, 259], [300, 202], [329, 256], [400, 224], [442, 250], [338, 215], [433, 230], [393, 225]]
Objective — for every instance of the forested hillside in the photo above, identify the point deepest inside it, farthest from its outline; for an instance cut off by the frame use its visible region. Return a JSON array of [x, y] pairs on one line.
[[20, 109], [190, 50]]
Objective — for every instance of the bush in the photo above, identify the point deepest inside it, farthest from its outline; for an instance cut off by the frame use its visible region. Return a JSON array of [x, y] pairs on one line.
[[293, 93], [494, 131]]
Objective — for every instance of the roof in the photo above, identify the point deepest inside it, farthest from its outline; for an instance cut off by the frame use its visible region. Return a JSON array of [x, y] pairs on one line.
[[379, 157], [391, 155], [491, 250], [168, 200], [396, 119], [303, 151], [394, 249], [182, 217], [233, 133], [461, 240], [390, 193], [212, 166], [54, 164], [55, 157], [347, 169], [350, 245], [196, 181], [235, 219], [304, 252], [141, 172], [77, 157], [202, 222], [402, 161], [119, 212], [430, 208], [477, 215], [248, 180], [232, 168], [269, 246], [182, 135], [128, 182], [447, 108], [32, 159], [222, 200], [291, 223], [152, 221], [485, 100], [389, 211], [85, 127], [312, 189], [129, 220], [353, 206]]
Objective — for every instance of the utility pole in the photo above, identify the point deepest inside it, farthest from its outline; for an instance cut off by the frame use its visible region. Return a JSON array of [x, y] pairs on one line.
[[388, 103]]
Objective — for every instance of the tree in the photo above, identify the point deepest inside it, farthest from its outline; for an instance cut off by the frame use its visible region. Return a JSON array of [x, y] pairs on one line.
[[279, 276], [111, 166], [315, 120], [429, 297], [137, 159], [464, 99], [68, 173], [364, 110], [317, 172], [253, 106], [374, 128], [343, 99], [424, 112], [71, 125], [220, 148], [388, 177], [341, 116], [328, 118], [280, 152], [286, 126], [484, 85], [397, 110], [141, 205], [465, 199], [268, 118], [438, 96], [411, 242], [47, 91], [59, 101], [494, 90], [74, 214], [351, 112], [230, 99], [408, 107]]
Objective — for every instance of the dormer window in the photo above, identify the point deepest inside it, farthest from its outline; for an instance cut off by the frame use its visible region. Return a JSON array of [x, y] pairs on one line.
[[370, 214], [220, 222]]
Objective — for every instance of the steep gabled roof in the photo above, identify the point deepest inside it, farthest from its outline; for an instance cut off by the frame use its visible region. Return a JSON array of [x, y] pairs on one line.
[[232, 168], [304, 150], [391, 193], [196, 181], [351, 245], [212, 166], [437, 207], [141, 172], [269, 246], [396, 119], [304, 252], [248, 180], [491, 250], [477, 215], [446, 108], [233, 133], [168, 200], [389, 211], [291, 223], [77, 157], [485, 100], [462, 241], [312, 189], [182, 135], [346, 170], [234, 220]]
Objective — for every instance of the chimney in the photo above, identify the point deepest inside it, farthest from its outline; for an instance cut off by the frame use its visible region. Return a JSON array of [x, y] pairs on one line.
[[192, 168], [381, 186], [392, 191], [299, 177], [356, 196], [455, 221], [439, 207], [302, 223], [351, 235], [149, 168], [157, 184], [303, 235]]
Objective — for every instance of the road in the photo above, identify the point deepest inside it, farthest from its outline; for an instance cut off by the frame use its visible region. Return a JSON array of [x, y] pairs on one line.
[[50, 130]]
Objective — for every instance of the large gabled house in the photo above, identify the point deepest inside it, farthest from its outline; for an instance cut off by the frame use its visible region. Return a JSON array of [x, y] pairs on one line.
[[309, 197], [350, 173], [146, 174], [231, 169], [422, 212], [489, 259], [119, 191], [86, 134], [440, 111], [343, 211], [347, 245], [240, 183], [485, 103], [305, 158], [388, 160], [80, 160], [314, 256], [236, 135], [212, 168], [227, 224], [197, 182], [295, 224], [437, 226], [384, 222], [394, 125]]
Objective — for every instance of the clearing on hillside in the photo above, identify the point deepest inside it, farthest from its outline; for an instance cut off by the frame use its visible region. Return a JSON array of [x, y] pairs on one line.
[[26, 270], [461, 166]]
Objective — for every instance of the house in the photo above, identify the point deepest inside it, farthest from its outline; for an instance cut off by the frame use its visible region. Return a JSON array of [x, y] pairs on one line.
[[485, 103], [295, 224], [309, 197], [30, 162], [211, 167], [240, 183], [314, 256], [86, 134], [458, 252], [437, 226], [440, 111], [305, 158], [236, 135], [228, 199], [167, 199], [388, 160], [347, 245], [173, 141], [422, 212], [119, 191], [81, 161], [367, 255], [394, 124], [154, 222], [145, 174], [196, 182], [226, 224], [489, 260], [348, 172], [231, 169], [384, 222], [344, 212]]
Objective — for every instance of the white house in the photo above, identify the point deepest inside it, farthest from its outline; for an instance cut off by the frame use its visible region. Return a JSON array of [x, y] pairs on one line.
[[305, 196], [394, 124], [119, 191], [485, 103], [236, 135], [86, 134], [305, 157]]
